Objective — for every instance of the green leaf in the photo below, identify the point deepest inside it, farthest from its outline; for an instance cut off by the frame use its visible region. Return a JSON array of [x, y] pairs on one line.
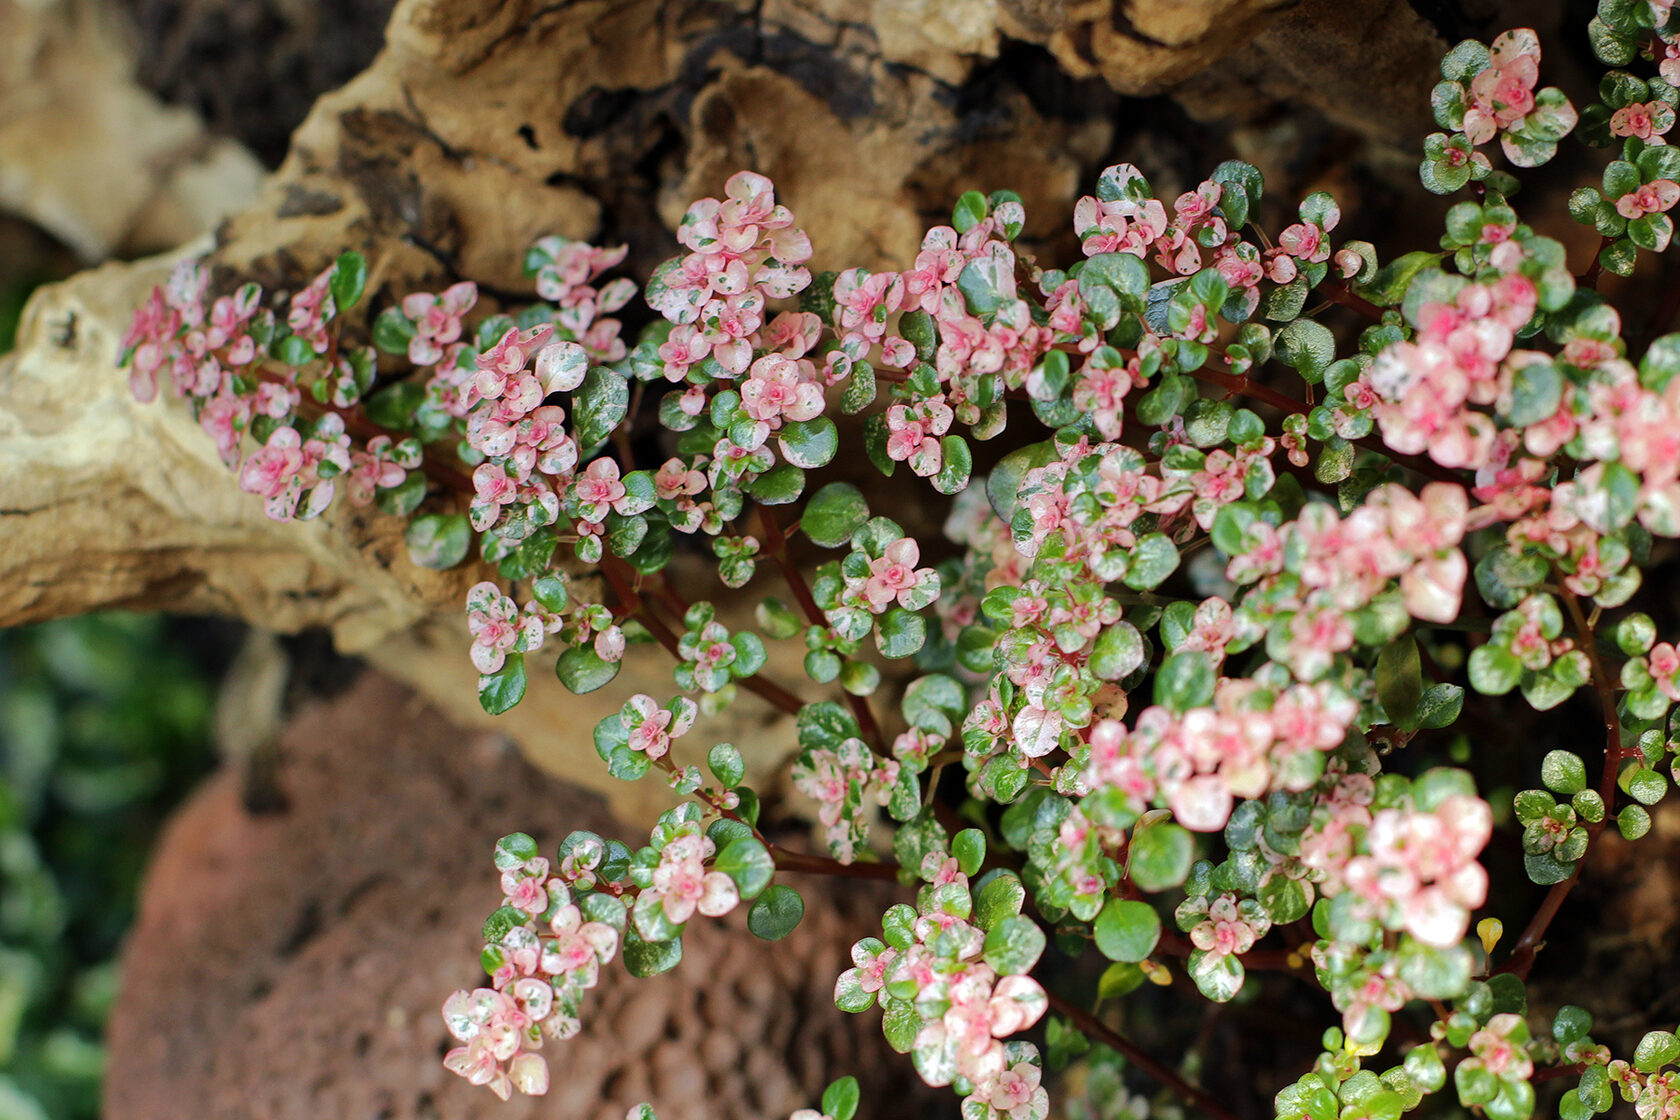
[[1464, 61], [934, 703], [978, 284], [999, 896], [1185, 680], [955, 464], [1284, 899], [1400, 681], [1119, 979], [1563, 772], [1003, 485], [1656, 1050], [1118, 652], [1014, 945], [825, 725], [1166, 400], [970, 211], [1494, 670], [439, 540], [501, 690], [581, 670], [1633, 822], [748, 862], [392, 330], [550, 591], [292, 351], [1121, 273], [599, 405], [1153, 558], [1440, 706], [1536, 390], [849, 995], [405, 497], [1127, 930], [515, 850], [1242, 187], [916, 328], [1643, 785], [840, 1099], [900, 1024], [917, 837], [1571, 1024], [1619, 257], [776, 912], [1161, 855], [1583, 205], [809, 443], [833, 514], [778, 486], [900, 633], [1388, 287], [649, 958], [1308, 346], [1651, 232], [1545, 871], [1434, 973], [348, 281], [969, 846], [500, 921], [860, 388], [1218, 976], [726, 764]]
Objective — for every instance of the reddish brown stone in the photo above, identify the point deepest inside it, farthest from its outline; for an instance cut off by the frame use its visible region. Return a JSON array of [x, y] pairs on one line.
[[293, 965]]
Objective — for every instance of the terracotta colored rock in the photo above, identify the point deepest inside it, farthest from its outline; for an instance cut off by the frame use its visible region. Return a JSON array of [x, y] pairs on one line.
[[293, 965]]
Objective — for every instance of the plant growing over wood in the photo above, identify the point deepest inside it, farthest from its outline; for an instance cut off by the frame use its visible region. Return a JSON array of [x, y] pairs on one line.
[[1195, 644]]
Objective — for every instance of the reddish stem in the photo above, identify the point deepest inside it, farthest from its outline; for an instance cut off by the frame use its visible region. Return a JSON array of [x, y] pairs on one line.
[[1533, 936], [1337, 291], [776, 547], [808, 864], [1243, 385], [1111, 1038], [1589, 278]]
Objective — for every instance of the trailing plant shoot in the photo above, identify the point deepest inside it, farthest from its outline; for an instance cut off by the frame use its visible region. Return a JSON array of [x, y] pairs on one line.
[[1231, 562]]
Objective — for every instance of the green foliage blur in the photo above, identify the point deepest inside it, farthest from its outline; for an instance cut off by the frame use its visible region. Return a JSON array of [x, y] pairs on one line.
[[104, 726]]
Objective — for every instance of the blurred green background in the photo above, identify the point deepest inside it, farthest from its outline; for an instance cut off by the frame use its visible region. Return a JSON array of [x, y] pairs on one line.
[[104, 728]]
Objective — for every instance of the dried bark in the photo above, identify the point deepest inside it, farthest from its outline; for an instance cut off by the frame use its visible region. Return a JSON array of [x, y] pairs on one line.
[[486, 123]]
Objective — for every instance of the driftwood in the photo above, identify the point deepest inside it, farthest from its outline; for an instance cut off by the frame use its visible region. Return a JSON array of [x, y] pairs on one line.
[[485, 123]]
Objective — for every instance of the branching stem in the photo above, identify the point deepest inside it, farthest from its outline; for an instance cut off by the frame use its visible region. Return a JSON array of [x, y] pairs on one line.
[[1111, 1038], [1533, 936]]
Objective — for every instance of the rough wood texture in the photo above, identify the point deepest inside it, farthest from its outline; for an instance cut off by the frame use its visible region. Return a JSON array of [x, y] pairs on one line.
[[292, 965], [88, 155], [485, 123]]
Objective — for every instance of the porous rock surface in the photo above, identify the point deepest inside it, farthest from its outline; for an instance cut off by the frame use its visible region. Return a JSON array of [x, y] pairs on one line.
[[293, 965]]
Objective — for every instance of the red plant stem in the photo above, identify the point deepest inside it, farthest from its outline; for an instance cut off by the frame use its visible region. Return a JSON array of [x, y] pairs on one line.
[[619, 575], [1529, 944], [1243, 385], [1589, 278], [776, 546], [1337, 291], [621, 578], [1111, 1038], [664, 592], [807, 864], [784, 859]]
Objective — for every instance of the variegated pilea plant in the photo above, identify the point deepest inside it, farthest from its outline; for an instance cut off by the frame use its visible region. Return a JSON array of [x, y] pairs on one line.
[[1195, 645]]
